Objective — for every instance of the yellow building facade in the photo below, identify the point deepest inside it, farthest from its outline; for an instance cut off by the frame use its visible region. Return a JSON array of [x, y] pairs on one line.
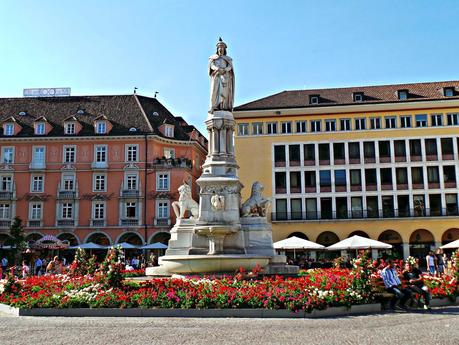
[[377, 161]]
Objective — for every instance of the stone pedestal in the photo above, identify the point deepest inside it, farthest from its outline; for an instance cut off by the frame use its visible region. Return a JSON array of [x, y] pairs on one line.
[[258, 237]]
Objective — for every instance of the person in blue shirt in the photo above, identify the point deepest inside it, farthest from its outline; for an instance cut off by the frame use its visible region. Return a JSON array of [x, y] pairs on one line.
[[393, 285], [38, 264]]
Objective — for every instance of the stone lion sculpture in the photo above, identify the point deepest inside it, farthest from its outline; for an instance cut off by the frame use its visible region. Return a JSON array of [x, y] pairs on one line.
[[256, 205], [184, 203]]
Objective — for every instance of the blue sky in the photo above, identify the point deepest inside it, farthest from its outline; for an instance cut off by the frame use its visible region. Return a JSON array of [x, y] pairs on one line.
[[109, 47]]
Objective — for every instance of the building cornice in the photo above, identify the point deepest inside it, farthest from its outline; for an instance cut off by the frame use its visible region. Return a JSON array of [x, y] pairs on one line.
[[350, 108]]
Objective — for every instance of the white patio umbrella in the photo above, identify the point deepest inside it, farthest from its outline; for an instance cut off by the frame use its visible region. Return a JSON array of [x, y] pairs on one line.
[[451, 245], [297, 243], [358, 242], [89, 245], [156, 245]]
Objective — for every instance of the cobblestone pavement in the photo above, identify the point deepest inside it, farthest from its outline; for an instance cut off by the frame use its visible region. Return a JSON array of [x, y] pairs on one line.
[[439, 327]]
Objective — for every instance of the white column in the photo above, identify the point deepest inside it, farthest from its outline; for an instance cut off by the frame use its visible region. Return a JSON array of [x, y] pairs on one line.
[[374, 254], [229, 140], [406, 250], [223, 140], [215, 148]]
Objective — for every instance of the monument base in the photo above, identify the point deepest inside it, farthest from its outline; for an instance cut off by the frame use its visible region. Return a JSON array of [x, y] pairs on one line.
[[189, 264]]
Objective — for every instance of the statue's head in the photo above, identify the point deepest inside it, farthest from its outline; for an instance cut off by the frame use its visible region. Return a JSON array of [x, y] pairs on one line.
[[221, 47], [184, 189], [257, 188]]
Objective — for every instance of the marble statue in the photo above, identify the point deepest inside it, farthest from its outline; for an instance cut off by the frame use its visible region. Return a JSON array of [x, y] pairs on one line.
[[221, 79], [185, 202], [256, 205]]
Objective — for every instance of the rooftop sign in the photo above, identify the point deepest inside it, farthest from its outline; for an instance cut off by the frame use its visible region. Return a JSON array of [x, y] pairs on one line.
[[47, 92]]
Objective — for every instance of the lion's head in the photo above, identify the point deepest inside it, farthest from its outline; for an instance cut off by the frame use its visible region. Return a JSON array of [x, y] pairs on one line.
[[257, 189]]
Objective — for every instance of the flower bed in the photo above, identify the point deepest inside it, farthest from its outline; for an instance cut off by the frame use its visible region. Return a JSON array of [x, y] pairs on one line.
[[107, 288], [317, 289]]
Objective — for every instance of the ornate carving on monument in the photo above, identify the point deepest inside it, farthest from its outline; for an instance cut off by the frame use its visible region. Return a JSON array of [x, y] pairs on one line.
[[256, 205], [217, 202], [221, 74], [219, 189], [185, 203]]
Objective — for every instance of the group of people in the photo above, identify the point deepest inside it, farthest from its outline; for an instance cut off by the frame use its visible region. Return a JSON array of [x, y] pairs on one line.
[[438, 263], [412, 275], [38, 266], [55, 265]]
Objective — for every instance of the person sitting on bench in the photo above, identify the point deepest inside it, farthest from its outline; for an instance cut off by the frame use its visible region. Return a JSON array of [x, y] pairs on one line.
[[393, 285], [414, 277]]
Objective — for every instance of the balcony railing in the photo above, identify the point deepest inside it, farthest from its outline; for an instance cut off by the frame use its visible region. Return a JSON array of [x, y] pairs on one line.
[[66, 194], [5, 224], [162, 222], [34, 223], [99, 165], [37, 166], [97, 222], [363, 214], [130, 193], [6, 195], [66, 222], [172, 163], [129, 222]]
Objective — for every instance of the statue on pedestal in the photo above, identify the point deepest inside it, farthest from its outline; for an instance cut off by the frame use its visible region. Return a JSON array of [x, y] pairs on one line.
[[221, 74], [256, 205], [184, 203]]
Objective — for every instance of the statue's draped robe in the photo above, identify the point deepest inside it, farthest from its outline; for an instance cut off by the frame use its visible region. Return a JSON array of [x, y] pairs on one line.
[[221, 85]]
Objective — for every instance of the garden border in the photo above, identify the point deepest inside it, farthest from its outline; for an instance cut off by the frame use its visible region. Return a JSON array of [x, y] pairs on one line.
[[199, 313], [360, 309]]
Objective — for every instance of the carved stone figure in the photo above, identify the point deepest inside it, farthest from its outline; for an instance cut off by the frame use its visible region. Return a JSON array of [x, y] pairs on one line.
[[221, 79], [217, 202], [256, 205], [184, 203]]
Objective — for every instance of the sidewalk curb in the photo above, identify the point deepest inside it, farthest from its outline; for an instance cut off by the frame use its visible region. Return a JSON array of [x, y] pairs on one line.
[[362, 309], [198, 313]]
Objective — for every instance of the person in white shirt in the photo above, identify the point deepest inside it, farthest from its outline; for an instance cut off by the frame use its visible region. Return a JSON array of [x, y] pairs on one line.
[[25, 270]]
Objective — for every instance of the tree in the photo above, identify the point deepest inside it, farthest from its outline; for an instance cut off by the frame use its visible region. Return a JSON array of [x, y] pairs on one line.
[[17, 239]]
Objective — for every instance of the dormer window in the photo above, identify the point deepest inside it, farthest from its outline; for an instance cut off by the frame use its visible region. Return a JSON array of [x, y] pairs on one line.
[[69, 128], [8, 129], [169, 131], [358, 96], [402, 94], [40, 128], [101, 127], [314, 99], [448, 91]]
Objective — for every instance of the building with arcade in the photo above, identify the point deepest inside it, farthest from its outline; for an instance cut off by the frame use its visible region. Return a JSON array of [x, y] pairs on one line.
[[101, 169], [378, 161]]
